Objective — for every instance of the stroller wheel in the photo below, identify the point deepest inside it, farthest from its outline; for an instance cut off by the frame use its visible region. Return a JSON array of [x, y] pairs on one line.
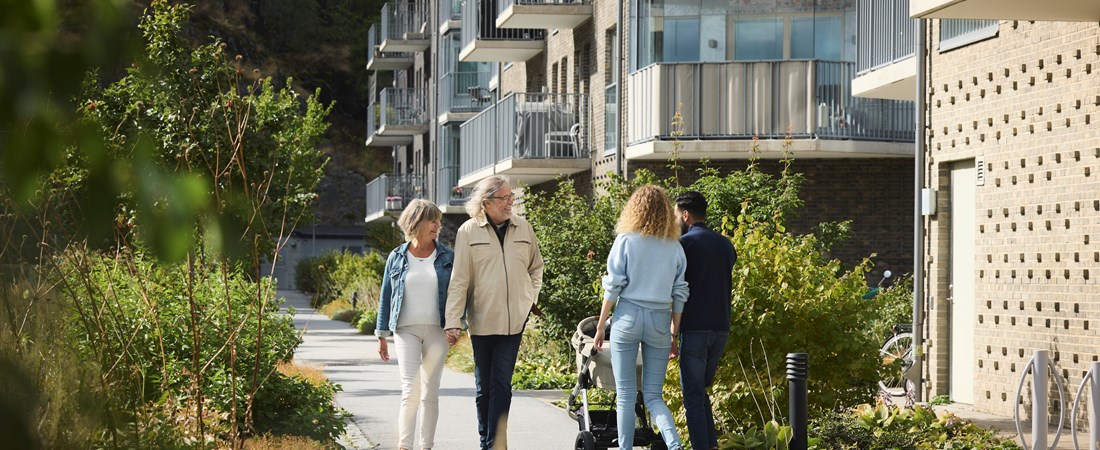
[[586, 441]]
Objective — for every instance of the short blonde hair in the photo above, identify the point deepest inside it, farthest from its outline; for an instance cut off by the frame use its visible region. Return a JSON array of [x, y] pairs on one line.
[[649, 213], [416, 215], [475, 205]]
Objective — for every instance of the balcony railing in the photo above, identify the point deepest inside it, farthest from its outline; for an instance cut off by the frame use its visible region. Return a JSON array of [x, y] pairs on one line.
[[403, 26], [391, 193], [403, 107], [886, 33], [773, 99], [547, 14], [447, 190], [450, 10], [479, 26], [526, 126], [377, 60], [464, 91]]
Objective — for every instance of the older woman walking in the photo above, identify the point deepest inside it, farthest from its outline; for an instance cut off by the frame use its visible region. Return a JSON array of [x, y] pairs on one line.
[[411, 305], [496, 281], [645, 283]]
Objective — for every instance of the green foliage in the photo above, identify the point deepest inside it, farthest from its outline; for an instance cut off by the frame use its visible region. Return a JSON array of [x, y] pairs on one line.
[[575, 234], [293, 405], [351, 316], [783, 282], [367, 321], [540, 364], [342, 275], [940, 400], [762, 198], [885, 427], [773, 437], [212, 154], [893, 305], [161, 322]]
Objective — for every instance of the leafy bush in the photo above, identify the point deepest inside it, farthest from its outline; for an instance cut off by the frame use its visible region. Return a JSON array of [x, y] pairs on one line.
[[342, 275], [883, 427], [893, 305], [167, 323], [348, 315], [367, 321]]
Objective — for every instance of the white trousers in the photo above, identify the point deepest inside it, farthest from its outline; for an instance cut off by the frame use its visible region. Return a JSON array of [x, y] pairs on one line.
[[421, 351]]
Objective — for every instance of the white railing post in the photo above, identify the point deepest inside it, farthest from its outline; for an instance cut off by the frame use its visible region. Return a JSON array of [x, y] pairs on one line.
[[1094, 408], [1039, 399]]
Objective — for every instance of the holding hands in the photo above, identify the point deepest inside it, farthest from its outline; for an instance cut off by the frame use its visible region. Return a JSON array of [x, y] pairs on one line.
[[452, 335]]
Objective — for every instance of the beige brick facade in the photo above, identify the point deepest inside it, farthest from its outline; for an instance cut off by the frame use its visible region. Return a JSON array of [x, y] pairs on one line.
[[1023, 104]]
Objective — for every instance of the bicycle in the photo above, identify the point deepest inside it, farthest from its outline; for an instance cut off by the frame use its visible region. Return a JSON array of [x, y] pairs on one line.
[[897, 357]]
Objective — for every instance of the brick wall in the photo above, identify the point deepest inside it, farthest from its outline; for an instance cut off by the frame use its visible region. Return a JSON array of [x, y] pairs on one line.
[[1023, 103], [875, 194]]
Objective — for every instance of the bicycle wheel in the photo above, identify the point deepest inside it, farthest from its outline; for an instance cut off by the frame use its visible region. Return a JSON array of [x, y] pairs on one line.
[[897, 359]]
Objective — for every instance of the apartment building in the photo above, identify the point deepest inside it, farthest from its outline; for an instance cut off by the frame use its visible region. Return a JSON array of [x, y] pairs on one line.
[[538, 89], [1010, 90]]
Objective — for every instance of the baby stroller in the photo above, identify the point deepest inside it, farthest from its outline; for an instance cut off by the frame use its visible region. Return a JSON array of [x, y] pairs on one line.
[[598, 429]]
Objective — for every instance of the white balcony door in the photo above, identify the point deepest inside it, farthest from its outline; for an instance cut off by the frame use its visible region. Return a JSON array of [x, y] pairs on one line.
[[961, 301]]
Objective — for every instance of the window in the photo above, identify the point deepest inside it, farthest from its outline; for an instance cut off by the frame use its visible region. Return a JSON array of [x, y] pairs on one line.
[[955, 33], [816, 38], [757, 39], [681, 39]]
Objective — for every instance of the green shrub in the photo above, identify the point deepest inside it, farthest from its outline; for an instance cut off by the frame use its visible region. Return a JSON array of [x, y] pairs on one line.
[[161, 330], [885, 427], [367, 321], [893, 305], [348, 315], [341, 275], [295, 406]]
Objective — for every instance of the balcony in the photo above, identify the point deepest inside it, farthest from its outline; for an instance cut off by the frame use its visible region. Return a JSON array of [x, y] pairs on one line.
[[532, 138], [548, 14], [378, 60], [885, 63], [397, 117], [404, 27], [450, 15], [1061, 11], [462, 95], [725, 105], [388, 195], [483, 41]]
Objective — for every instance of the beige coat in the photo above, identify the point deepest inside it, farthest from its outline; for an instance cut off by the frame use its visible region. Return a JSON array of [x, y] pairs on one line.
[[492, 288]]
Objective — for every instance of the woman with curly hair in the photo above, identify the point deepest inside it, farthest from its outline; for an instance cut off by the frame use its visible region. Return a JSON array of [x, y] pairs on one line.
[[645, 283]]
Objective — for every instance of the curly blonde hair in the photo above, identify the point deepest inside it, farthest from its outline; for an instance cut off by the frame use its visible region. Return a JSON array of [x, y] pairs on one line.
[[649, 213]]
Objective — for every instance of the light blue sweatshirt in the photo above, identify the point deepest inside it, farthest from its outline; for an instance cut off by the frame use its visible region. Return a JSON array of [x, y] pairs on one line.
[[647, 271]]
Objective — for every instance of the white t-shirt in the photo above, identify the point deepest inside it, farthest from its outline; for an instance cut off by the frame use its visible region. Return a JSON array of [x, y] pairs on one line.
[[421, 303]]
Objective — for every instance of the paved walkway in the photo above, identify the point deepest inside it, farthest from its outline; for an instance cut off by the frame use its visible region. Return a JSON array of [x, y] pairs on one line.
[[372, 392]]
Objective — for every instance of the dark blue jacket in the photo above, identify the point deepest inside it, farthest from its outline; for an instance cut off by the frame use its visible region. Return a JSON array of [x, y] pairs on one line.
[[710, 258]]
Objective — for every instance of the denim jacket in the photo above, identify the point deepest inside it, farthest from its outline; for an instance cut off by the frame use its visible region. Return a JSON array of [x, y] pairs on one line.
[[393, 285]]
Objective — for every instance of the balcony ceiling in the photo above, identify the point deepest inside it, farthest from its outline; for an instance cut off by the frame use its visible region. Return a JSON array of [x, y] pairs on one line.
[[378, 140], [484, 50], [379, 63], [547, 16], [770, 149], [897, 81], [413, 44], [388, 130], [529, 172], [1060, 11]]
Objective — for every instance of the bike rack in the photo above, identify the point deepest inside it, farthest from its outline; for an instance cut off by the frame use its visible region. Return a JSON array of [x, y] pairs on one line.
[[1091, 379], [1039, 400]]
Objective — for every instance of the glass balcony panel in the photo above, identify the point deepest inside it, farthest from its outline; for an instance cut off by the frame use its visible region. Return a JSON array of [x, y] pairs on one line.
[[482, 40], [403, 27], [389, 194], [772, 99], [464, 91], [886, 34]]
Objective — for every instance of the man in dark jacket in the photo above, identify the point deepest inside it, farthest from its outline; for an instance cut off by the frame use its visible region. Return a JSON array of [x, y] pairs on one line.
[[705, 324]]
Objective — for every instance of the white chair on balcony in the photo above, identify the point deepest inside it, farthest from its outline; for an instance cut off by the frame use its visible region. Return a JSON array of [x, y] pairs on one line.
[[563, 144]]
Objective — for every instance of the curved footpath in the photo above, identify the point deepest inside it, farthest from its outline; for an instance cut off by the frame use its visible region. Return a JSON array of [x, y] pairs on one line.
[[372, 392]]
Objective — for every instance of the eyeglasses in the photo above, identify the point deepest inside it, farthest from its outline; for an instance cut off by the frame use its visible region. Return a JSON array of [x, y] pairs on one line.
[[506, 198]]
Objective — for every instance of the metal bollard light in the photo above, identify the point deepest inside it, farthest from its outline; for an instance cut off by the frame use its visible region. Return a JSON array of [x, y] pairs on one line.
[[797, 370]]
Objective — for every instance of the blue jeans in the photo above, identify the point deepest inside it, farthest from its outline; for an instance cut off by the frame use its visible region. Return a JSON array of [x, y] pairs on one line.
[[632, 325], [494, 362], [700, 353]]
